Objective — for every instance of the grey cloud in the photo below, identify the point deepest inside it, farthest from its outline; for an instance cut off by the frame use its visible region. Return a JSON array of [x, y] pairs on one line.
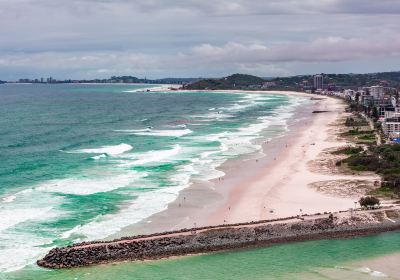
[[256, 58], [193, 37], [331, 49]]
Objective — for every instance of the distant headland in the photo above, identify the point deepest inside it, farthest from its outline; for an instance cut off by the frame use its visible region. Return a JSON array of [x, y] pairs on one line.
[[245, 82]]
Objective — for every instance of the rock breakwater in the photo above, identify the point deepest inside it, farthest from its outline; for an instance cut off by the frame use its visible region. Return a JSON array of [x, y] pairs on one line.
[[226, 237]]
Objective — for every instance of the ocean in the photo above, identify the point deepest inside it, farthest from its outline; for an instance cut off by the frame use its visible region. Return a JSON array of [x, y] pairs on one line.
[[312, 260], [81, 162]]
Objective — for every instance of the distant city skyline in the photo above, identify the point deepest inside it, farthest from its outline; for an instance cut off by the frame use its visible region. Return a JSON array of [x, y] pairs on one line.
[[86, 39]]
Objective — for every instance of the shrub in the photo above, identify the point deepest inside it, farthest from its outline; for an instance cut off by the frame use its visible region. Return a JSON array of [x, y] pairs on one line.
[[391, 181], [348, 151], [368, 201]]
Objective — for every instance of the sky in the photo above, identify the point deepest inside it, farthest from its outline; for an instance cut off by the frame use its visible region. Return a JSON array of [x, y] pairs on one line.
[[83, 39]]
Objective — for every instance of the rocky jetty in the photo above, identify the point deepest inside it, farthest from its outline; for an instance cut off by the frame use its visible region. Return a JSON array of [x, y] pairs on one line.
[[225, 237]]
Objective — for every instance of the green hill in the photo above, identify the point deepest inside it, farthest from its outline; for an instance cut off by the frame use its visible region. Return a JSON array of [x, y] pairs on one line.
[[297, 83], [236, 81]]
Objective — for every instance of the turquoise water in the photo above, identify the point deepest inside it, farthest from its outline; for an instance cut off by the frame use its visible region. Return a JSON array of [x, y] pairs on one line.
[[81, 162], [327, 259]]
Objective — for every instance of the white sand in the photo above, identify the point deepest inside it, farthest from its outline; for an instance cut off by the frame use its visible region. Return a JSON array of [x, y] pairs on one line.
[[284, 186], [251, 190]]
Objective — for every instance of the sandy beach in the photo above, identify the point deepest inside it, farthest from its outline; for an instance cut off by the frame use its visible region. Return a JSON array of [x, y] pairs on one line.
[[278, 184], [283, 188]]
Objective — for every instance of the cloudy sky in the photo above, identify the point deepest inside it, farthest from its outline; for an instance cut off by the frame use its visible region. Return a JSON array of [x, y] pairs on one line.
[[192, 38]]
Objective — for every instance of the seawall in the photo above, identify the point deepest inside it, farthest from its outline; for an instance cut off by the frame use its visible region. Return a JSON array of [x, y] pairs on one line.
[[224, 237]]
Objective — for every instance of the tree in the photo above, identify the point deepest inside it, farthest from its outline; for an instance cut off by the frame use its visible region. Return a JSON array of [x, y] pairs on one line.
[[369, 201], [375, 113]]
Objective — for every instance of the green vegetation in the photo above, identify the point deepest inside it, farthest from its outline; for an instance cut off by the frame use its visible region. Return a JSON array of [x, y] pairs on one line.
[[131, 79], [384, 160], [353, 81], [236, 81], [348, 151], [369, 201], [383, 191], [298, 83], [358, 132], [355, 121], [360, 136]]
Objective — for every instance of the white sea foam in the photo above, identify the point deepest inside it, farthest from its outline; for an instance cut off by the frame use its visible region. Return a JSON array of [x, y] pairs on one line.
[[182, 126], [91, 185], [378, 274], [99, 157], [371, 272], [242, 141], [144, 206], [20, 250], [9, 198], [205, 169], [213, 116], [11, 217], [109, 150], [240, 106], [152, 156], [201, 163], [19, 245], [154, 132], [133, 130], [364, 269]]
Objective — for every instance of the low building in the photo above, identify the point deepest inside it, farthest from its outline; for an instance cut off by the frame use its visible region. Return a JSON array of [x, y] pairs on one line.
[[351, 95], [391, 127], [367, 100], [392, 114], [268, 84]]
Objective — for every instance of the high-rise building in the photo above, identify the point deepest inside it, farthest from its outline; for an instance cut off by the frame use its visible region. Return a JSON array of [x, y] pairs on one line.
[[318, 82], [377, 92]]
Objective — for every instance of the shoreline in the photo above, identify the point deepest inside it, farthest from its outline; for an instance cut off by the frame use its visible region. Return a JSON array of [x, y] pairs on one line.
[[283, 189], [256, 187], [281, 174], [199, 201]]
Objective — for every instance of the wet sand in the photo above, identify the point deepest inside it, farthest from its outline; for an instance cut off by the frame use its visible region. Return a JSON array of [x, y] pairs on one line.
[[275, 184]]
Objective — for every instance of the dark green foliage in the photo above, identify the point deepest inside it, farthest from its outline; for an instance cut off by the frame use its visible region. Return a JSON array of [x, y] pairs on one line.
[[354, 81], [363, 162], [375, 113], [368, 201], [236, 81], [384, 160], [348, 151], [369, 137], [357, 132], [392, 181], [380, 159]]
